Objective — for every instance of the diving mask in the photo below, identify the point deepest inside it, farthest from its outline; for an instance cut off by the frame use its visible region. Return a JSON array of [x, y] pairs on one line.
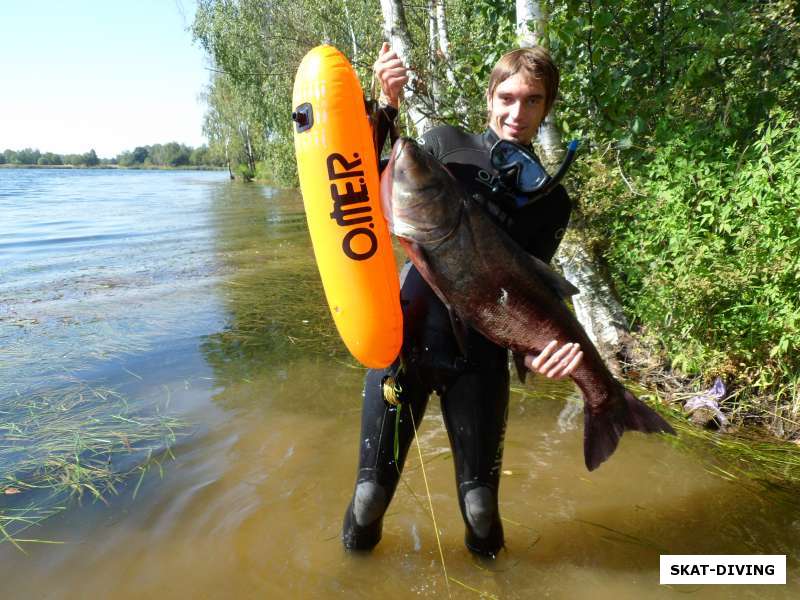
[[520, 172]]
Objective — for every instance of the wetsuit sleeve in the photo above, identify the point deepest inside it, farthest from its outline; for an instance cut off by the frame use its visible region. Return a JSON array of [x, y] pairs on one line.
[[384, 125], [387, 116], [431, 141], [547, 223]]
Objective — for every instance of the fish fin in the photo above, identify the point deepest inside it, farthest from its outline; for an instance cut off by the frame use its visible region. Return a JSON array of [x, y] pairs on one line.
[[416, 251], [562, 287], [519, 363], [601, 433], [457, 324]]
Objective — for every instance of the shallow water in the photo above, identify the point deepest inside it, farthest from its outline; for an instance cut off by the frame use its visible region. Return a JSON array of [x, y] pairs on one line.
[[198, 297]]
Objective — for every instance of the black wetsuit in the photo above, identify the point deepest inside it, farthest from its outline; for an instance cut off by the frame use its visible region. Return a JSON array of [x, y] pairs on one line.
[[473, 386]]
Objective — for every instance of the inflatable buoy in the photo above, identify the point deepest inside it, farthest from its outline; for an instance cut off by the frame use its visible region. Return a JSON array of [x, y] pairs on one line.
[[339, 181]]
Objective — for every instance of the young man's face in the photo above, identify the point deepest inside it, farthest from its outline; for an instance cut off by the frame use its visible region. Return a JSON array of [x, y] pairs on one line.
[[516, 109]]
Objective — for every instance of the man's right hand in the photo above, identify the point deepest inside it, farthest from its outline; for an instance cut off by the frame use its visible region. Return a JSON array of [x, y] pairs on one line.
[[392, 74], [555, 362]]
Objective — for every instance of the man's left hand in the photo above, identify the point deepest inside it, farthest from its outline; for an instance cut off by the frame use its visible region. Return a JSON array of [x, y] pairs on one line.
[[554, 362]]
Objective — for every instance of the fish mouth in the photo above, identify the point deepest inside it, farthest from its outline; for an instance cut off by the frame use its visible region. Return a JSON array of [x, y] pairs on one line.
[[407, 185], [400, 146], [410, 163], [388, 171]]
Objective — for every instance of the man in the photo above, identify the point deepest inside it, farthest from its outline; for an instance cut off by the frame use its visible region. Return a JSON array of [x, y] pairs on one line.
[[470, 376]]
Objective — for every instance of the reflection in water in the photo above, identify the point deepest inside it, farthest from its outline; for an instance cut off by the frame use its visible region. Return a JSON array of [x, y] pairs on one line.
[[252, 504]]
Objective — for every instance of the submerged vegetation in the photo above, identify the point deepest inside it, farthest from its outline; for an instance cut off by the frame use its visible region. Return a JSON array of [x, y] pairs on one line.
[[69, 443], [687, 184]]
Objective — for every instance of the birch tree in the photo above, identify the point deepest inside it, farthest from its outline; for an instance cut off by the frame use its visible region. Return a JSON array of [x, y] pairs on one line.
[[596, 306], [443, 39], [396, 30], [433, 36], [352, 31]]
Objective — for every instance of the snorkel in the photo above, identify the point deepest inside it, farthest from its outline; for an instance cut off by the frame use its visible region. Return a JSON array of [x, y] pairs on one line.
[[572, 149]]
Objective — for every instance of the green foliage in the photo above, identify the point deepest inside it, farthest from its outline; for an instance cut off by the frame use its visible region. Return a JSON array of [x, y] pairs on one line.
[[159, 155], [90, 159], [244, 172], [627, 64], [279, 166], [256, 48], [200, 156], [27, 156], [687, 179], [48, 158], [709, 255], [690, 185], [473, 54], [171, 154]]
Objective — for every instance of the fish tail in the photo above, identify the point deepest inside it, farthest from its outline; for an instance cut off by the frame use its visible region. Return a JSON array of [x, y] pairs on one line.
[[601, 433]]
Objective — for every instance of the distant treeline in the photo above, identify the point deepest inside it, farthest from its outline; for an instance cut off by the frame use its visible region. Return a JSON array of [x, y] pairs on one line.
[[172, 154]]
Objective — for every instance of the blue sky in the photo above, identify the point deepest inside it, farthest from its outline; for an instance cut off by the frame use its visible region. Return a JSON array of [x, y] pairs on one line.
[[104, 74]]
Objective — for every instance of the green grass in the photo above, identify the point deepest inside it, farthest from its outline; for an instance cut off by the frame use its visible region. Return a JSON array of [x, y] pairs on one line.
[[750, 456], [60, 446]]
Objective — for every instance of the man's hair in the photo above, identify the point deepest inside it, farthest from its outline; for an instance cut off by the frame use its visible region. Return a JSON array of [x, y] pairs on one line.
[[533, 63]]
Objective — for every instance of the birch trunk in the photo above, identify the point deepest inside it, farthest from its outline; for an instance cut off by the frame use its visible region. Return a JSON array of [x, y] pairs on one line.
[[596, 307], [228, 160], [244, 130], [444, 50], [395, 28], [529, 20], [433, 36], [352, 32]]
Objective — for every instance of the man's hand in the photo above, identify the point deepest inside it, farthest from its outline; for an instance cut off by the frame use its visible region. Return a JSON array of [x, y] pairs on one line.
[[555, 363], [392, 74]]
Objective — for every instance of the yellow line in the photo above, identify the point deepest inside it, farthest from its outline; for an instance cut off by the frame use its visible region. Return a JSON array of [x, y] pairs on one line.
[[430, 503], [476, 590]]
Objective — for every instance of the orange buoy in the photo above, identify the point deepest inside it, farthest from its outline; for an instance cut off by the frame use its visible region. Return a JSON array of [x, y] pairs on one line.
[[339, 181]]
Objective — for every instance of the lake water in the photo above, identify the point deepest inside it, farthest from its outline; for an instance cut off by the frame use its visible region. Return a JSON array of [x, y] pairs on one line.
[[185, 295]]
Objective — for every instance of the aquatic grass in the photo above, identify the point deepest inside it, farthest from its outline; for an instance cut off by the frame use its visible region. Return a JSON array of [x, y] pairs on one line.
[[750, 450], [61, 445], [750, 456], [620, 537]]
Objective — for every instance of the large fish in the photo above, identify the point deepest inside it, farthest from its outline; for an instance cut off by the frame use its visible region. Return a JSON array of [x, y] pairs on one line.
[[492, 285]]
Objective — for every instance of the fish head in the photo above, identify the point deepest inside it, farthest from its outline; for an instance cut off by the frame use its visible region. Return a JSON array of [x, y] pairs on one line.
[[421, 199]]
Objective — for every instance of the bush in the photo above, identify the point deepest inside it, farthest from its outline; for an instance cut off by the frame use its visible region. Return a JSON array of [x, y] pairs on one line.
[[279, 167], [244, 172], [708, 256]]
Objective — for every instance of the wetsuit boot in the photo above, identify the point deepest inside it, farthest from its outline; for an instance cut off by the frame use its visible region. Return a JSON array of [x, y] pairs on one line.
[[378, 471], [475, 409], [484, 530]]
